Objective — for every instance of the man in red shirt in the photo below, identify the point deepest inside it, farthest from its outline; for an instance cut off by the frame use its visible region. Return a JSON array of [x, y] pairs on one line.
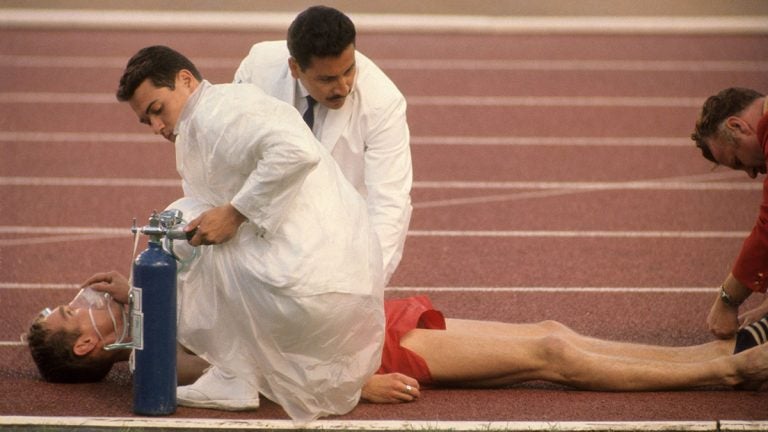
[[733, 131]]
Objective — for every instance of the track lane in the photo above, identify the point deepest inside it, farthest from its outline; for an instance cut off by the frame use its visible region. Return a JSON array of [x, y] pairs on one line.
[[154, 158], [382, 45], [546, 121], [482, 261], [456, 262]]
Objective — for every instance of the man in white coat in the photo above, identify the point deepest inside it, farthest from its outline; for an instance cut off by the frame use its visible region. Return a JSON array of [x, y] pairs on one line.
[[285, 297], [356, 112]]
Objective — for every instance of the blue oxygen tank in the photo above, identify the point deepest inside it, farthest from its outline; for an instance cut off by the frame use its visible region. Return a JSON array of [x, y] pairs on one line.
[[154, 331]]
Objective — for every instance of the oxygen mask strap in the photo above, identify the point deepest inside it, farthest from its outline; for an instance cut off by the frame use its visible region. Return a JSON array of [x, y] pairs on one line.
[[133, 256]]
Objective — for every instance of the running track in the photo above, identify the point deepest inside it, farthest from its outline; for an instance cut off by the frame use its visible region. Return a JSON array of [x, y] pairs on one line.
[[554, 180]]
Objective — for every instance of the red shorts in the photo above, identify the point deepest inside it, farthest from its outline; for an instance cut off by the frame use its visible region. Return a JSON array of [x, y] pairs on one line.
[[404, 315]]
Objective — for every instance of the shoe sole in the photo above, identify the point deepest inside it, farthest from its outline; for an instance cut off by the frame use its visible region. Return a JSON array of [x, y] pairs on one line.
[[228, 405]]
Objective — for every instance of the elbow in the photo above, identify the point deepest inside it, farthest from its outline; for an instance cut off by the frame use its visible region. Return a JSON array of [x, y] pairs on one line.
[[312, 157]]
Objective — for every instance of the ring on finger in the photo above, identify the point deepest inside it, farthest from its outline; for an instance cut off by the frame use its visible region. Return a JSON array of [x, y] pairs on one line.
[[408, 388]]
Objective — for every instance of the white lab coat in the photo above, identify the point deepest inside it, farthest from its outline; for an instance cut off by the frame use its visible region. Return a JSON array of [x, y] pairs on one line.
[[294, 302], [368, 137]]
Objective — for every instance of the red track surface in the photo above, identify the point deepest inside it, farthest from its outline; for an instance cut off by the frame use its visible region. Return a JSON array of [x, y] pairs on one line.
[[467, 262]]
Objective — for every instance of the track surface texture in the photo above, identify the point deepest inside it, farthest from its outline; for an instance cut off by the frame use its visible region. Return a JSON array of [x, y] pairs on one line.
[[553, 180]]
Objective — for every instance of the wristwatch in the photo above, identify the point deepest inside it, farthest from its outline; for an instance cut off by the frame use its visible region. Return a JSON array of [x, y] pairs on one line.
[[726, 298]]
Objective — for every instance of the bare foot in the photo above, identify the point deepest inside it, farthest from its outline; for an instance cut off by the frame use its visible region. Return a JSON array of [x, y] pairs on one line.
[[752, 367]]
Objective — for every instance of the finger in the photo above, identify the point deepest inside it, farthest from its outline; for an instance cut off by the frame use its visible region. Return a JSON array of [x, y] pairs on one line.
[[193, 224], [197, 239], [97, 278], [190, 232], [410, 392], [410, 381], [101, 287], [745, 322]]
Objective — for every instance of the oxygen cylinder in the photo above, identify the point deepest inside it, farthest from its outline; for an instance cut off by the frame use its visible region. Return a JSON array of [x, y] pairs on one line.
[[154, 331]]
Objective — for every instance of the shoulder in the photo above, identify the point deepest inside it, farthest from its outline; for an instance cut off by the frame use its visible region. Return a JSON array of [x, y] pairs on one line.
[[247, 95], [265, 65], [233, 100], [242, 109], [375, 88], [268, 53]]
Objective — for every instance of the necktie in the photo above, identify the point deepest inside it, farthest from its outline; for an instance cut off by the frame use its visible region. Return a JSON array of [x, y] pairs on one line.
[[309, 114]]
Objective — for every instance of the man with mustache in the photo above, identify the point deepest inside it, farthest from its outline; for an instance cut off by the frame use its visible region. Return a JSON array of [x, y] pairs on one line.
[[353, 109]]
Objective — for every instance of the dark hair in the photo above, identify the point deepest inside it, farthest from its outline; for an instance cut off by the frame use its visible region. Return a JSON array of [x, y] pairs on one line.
[[716, 110], [55, 359], [158, 63], [319, 31]]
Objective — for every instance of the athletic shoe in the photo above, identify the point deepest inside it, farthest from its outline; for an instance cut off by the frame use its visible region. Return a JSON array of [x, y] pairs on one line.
[[217, 389], [752, 335]]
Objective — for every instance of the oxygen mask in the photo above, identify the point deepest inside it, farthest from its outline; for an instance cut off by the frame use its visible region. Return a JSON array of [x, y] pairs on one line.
[[93, 300]]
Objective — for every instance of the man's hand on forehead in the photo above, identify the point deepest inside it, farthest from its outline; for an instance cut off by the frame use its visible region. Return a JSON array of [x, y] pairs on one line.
[[110, 282]]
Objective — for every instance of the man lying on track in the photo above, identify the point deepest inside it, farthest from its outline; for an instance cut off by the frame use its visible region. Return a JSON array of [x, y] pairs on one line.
[[424, 349], [732, 130]]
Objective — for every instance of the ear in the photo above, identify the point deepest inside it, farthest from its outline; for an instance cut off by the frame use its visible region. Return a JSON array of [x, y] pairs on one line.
[[85, 344], [186, 79], [293, 65], [738, 125]]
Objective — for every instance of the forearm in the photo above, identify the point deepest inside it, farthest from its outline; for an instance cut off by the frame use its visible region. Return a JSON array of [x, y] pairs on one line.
[[733, 292], [388, 181], [723, 315], [391, 227]]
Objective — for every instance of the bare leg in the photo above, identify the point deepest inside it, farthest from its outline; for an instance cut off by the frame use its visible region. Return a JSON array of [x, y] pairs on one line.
[[457, 356], [708, 351]]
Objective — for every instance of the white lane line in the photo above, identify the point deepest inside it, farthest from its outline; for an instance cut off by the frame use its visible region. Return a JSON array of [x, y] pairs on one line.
[[67, 137], [548, 141], [116, 232], [89, 182], [566, 191], [373, 425], [516, 196], [555, 101], [592, 186], [580, 234], [574, 65], [11, 343], [51, 234], [519, 289], [227, 63], [449, 101], [17, 229], [58, 98], [473, 185], [486, 199], [54, 239], [98, 137], [37, 286], [558, 290], [110, 62], [279, 21]]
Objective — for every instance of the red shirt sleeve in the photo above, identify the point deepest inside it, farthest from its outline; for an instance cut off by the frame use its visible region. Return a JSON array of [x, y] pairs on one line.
[[751, 268]]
